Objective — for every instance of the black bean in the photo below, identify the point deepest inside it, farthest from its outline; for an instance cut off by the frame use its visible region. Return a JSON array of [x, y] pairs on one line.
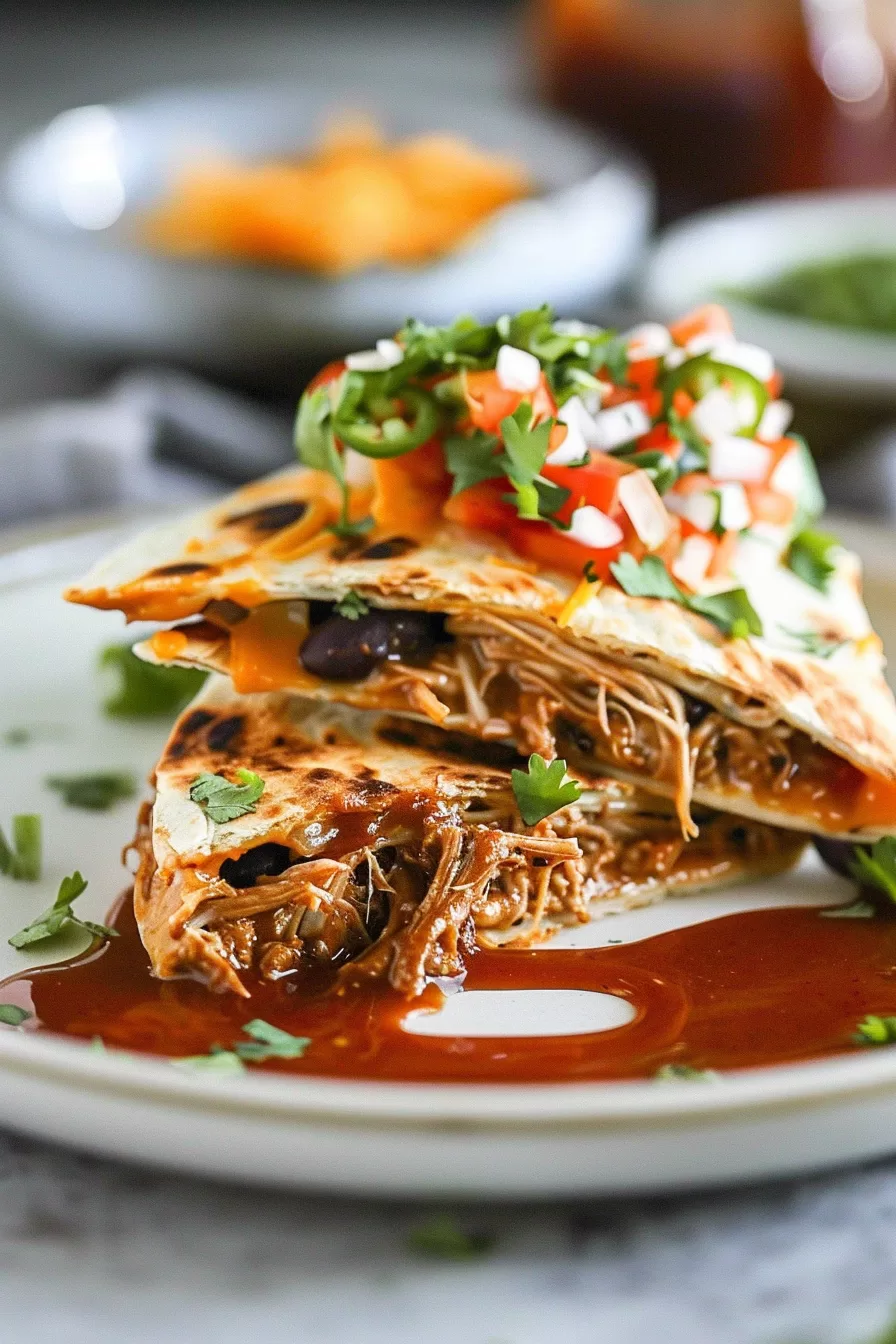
[[411, 636], [345, 650], [839, 855], [267, 860], [695, 711], [388, 549]]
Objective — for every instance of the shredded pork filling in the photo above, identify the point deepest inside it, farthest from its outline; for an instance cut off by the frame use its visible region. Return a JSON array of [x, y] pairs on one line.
[[503, 679], [409, 912]]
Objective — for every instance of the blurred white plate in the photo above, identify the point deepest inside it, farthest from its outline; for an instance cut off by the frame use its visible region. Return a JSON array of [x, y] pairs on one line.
[[744, 244], [72, 271], [362, 1137]]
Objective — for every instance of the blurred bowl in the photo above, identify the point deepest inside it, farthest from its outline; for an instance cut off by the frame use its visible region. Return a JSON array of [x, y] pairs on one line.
[[701, 257], [72, 270]]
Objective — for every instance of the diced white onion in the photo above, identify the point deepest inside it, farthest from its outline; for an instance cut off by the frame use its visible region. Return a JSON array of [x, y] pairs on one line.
[[573, 448], [734, 511], [517, 370], [775, 421], [716, 415], [647, 513], [387, 354], [704, 342], [675, 357], [701, 508], [650, 340], [732, 458], [620, 424], [751, 358], [358, 468], [593, 528], [693, 560], [571, 326], [789, 476], [754, 555]]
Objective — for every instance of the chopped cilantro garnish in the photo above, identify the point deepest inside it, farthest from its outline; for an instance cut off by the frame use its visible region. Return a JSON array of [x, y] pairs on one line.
[[270, 1042], [352, 605], [818, 645], [588, 572], [543, 788], [11, 1015], [809, 556], [60, 916], [218, 1060], [878, 868], [683, 1073], [146, 690], [525, 449], [731, 612], [441, 1237], [224, 801], [876, 1031], [22, 859], [96, 792], [472, 458]]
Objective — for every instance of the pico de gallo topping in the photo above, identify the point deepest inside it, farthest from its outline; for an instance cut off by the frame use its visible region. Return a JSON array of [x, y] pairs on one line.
[[579, 446]]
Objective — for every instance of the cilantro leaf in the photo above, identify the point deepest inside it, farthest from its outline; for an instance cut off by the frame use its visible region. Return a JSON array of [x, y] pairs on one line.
[[441, 1237], [818, 645], [731, 612], [874, 1030], [315, 443], [269, 1042], [650, 578], [878, 868], [811, 502], [471, 458], [695, 454], [22, 859], [96, 792], [542, 789], [146, 690], [59, 916], [615, 359], [809, 556], [224, 801], [217, 1060], [352, 605], [11, 1015], [684, 1073], [525, 450]]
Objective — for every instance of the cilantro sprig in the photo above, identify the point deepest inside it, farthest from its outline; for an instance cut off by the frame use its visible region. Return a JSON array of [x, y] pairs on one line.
[[873, 1030], [146, 690], [352, 605], [809, 556], [22, 860], [267, 1042], [814, 643], [60, 916], [877, 868], [223, 801], [543, 788], [731, 612], [96, 792]]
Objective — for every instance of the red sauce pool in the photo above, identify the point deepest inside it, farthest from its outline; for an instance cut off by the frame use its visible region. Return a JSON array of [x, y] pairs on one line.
[[765, 987]]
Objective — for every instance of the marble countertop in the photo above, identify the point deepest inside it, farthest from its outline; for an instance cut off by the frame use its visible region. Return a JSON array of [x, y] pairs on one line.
[[96, 1253]]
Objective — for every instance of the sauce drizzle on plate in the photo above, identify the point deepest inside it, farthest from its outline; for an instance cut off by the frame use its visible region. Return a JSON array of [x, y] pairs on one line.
[[757, 988]]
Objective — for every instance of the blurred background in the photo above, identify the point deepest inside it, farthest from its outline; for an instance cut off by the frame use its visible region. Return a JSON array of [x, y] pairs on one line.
[[184, 189]]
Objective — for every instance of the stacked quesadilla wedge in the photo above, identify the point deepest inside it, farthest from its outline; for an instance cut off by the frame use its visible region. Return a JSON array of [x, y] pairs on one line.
[[569, 546]]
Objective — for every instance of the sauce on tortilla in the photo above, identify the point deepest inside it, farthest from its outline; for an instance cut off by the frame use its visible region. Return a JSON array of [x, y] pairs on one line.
[[758, 988]]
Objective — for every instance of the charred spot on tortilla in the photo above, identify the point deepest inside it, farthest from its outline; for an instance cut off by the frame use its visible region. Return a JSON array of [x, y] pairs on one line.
[[271, 517], [185, 731], [182, 567], [265, 860], [388, 549], [223, 735]]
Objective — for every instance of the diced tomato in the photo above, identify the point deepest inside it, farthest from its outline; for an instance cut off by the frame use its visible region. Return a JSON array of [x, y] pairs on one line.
[[596, 483], [328, 374], [642, 374], [488, 402], [659, 439], [695, 482], [711, 317], [682, 403], [410, 490], [779, 448], [774, 385], [723, 559], [769, 506], [482, 509]]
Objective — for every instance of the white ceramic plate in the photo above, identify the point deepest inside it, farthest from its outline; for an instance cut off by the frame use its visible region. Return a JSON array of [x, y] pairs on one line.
[[364, 1137], [70, 267], [696, 260]]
